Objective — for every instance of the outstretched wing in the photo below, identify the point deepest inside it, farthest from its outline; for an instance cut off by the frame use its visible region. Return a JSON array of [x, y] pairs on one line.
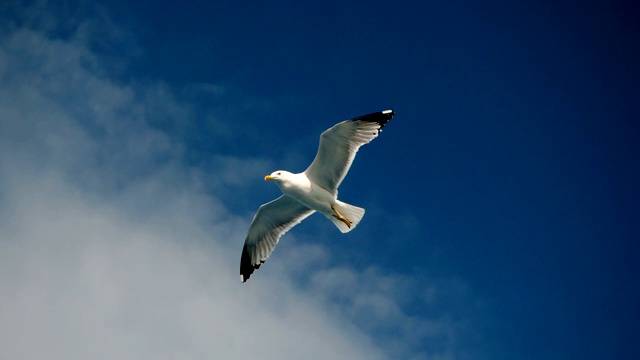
[[339, 145], [272, 220]]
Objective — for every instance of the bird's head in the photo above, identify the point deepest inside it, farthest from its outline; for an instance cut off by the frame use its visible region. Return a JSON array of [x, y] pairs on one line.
[[277, 176]]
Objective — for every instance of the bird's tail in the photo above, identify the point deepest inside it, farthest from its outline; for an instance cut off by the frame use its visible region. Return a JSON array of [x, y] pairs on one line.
[[353, 214]]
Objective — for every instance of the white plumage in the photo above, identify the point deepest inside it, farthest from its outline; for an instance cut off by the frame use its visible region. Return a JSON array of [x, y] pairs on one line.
[[315, 189]]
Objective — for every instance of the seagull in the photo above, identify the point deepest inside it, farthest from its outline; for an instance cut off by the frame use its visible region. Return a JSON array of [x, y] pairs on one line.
[[315, 189]]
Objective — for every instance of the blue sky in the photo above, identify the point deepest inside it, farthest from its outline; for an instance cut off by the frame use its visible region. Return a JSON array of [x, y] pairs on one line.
[[502, 199]]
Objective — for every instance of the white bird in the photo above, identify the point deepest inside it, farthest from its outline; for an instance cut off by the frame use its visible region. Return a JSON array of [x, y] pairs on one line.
[[315, 189]]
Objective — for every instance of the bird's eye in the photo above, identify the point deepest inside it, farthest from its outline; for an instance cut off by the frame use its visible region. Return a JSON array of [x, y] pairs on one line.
[[279, 173]]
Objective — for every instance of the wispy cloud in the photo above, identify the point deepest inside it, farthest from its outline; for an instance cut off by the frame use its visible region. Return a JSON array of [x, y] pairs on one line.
[[115, 246]]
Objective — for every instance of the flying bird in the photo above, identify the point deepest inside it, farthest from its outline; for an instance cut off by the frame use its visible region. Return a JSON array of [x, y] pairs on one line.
[[315, 189]]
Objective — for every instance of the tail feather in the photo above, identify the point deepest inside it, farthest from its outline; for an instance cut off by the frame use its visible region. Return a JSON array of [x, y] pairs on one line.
[[353, 213]]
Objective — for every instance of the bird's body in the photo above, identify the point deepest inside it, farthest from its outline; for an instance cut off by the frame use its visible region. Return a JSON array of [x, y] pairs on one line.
[[313, 196], [315, 189]]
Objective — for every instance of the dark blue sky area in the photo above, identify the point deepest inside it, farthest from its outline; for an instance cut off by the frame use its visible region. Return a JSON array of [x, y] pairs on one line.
[[512, 162], [514, 148]]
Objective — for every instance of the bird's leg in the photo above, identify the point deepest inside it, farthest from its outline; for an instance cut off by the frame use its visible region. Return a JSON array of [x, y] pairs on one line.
[[340, 217]]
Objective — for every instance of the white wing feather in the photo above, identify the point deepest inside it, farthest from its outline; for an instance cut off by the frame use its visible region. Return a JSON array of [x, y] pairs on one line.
[[339, 145], [272, 220]]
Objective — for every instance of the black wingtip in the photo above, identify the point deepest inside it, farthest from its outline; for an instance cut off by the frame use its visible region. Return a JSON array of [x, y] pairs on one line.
[[246, 268], [380, 117]]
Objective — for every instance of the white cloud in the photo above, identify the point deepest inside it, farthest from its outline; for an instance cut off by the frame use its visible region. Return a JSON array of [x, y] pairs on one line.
[[83, 279], [111, 246]]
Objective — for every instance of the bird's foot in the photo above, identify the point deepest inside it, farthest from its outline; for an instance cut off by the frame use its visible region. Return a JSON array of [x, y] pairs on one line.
[[340, 217]]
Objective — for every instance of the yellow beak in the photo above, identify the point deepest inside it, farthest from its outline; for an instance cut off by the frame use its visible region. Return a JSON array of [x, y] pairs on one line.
[[268, 177]]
